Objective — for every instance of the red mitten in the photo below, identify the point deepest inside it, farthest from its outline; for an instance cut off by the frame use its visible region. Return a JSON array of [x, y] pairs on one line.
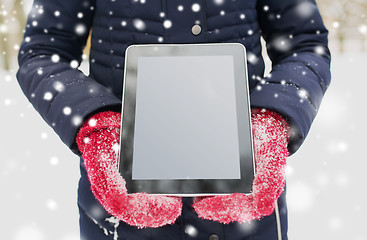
[[98, 140], [269, 131]]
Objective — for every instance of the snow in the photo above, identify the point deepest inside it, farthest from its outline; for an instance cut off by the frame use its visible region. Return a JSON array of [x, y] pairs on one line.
[[29, 232], [219, 2], [55, 58], [305, 9], [167, 24], [77, 120], [195, 7], [325, 178], [191, 231], [139, 24], [58, 86], [67, 110], [54, 161], [74, 64], [52, 204], [47, 96], [80, 29], [92, 122]]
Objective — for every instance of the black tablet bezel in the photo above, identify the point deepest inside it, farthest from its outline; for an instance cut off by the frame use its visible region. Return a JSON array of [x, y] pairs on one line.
[[188, 186]]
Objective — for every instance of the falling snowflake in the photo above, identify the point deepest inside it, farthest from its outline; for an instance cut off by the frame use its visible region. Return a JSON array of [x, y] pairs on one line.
[[52, 204], [44, 135], [80, 15], [58, 86], [31, 232], [167, 24], [92, 122], [252, 58], [47, 96], [180, 8], [302, 93], [116, 147], [282, 43], [57, 13], [336, 25], [362, 29], [335, 223], [305, 9], [55, 58], [77, 120], [218, 2], [289, 170], [67, 110], [191, 231], [7, 102], [80, 29], [54, 161], [195, 7], [7, 78], [139, 24], [74, 64], [320, 50]]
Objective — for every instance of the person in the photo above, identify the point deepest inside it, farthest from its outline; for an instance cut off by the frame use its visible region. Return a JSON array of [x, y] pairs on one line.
[[84, 110]]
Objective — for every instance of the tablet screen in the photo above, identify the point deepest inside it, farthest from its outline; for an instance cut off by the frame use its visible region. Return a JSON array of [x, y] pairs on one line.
[[185, 119], [186, 126]]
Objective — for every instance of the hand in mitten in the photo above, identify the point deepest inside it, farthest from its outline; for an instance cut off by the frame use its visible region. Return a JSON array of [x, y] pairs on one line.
[[270, 149], [98, 140]]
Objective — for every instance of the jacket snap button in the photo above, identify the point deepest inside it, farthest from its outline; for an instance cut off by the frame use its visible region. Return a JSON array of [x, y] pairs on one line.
[[214, 237], [196, 29]]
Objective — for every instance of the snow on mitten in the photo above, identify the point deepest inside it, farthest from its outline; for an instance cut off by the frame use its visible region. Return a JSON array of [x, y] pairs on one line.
[[98, 140], [269, 131]]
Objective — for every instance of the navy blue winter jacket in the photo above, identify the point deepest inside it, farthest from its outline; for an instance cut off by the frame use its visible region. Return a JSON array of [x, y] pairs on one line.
[[57, 31]]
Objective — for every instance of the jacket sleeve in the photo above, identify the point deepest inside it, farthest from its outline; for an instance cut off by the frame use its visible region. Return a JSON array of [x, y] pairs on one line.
[[51, 51], [296, 41]]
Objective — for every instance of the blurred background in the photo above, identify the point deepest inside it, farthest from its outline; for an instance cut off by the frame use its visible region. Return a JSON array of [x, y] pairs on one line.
[[325, 178]]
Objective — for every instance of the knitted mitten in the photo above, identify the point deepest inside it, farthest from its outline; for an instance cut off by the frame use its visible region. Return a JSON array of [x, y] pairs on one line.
[[98, 140], [270, 149]]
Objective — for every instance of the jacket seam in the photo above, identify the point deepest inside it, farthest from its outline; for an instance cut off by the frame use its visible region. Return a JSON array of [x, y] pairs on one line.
[[205, 20], [312, 70], [297, 87], [317, 75], [57, 94]]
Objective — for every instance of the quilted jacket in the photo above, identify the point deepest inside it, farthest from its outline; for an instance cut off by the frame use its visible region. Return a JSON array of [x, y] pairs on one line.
[[57, 31]]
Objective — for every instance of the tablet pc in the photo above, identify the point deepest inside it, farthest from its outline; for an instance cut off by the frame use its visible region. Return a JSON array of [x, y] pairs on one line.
[[186, 126]]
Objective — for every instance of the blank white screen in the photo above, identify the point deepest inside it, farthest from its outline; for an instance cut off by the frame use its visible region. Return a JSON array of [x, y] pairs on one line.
[[185, 119]]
